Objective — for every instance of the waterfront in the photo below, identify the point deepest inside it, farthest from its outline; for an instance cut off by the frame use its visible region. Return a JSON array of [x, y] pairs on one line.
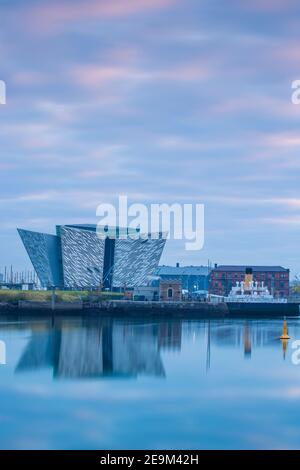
[[122, 384]]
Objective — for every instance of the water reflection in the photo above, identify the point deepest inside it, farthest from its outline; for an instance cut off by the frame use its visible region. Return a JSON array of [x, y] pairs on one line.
[[144, 383], [110, 348], [104, 349], [247, 341]]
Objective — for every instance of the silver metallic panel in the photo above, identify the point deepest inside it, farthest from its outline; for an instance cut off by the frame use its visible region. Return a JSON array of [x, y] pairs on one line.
[[82, 257], [135, 261], [42, 250]]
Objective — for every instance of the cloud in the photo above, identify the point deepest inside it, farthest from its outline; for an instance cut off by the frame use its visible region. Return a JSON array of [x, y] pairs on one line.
[[268, 6], [54, 16], [95, 76], [283, 221], [284, 202], [173, 104], [30, 78], [257, 103], [34, 135], [30, 197], [281, 139], [180, 143], [174, 142]]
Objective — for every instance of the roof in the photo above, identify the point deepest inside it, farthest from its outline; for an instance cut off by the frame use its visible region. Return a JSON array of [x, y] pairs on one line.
[[182, 271], [107, 229], [231, 268], [113, 231]]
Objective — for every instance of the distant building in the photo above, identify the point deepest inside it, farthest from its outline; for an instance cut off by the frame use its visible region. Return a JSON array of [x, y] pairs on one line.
[[170, 291], [149, 293], [193, 278], [224, 277], [27, 286], [76, 258]]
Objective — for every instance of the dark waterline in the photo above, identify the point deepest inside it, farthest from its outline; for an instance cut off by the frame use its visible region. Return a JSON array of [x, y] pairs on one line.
[[128, 384]]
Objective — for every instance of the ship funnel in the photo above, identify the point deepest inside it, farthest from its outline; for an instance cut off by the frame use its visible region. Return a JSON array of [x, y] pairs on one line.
[[248, 278]]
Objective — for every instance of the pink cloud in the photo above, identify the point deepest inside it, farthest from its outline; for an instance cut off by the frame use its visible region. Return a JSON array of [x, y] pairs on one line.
[[187, 72], [268, 105], [54, 15], [94, 75], [30, 78], [282, 139], [292, 220], [269, 6], [33, 135], [289, 52]]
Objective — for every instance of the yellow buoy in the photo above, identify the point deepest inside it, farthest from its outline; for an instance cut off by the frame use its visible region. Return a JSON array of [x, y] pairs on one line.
[[284, 331]]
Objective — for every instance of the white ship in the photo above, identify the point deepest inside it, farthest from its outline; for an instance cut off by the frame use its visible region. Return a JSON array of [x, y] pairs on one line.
[[252, 292], [252, 298]]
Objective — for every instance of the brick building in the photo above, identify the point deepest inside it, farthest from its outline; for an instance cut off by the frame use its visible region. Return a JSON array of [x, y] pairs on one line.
[[170, 291], [223, 278]]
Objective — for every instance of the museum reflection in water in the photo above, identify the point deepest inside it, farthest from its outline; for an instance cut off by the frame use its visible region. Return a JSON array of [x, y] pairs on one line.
[[117, 348], [101, 349]]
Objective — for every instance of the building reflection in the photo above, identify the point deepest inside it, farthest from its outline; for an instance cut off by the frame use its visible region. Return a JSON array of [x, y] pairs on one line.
[[247, 340], [251, 334], [236, 335], [103, 349], [108, 348], [247, 334]]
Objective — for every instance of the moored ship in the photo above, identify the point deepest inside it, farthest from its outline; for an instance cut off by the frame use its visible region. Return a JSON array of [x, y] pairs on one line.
[[252, 297]]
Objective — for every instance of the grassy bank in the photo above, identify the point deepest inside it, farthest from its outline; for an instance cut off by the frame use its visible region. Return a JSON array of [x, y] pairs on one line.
[[61, 296]]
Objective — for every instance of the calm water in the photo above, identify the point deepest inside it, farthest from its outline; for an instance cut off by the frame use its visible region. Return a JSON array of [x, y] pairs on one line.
[[123, 384]]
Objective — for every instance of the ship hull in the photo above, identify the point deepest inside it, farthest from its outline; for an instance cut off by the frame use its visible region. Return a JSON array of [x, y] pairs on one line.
[[263, 309]]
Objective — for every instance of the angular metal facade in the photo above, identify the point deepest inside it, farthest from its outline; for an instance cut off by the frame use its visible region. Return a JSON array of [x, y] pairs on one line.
[[43, 250], [82, 257], [135, 261], [76, 258]]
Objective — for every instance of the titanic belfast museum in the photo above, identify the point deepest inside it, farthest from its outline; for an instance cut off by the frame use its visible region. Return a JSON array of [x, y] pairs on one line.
[[77, 258]]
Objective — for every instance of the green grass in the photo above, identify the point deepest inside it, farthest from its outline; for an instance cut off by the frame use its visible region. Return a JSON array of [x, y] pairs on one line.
[[61, 296]]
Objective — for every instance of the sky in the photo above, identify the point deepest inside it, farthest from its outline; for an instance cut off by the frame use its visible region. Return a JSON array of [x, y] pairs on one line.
[[164, 101]]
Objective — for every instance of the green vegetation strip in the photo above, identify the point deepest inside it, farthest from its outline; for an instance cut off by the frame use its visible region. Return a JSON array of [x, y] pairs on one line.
[[61, 296]]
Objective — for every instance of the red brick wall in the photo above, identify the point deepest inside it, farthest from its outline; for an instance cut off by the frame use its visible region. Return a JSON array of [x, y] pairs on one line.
[[176, 287], [221, 282]]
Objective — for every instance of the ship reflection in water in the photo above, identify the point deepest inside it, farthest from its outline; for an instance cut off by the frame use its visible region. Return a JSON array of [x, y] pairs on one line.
[[140, 383], [113, 349]]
